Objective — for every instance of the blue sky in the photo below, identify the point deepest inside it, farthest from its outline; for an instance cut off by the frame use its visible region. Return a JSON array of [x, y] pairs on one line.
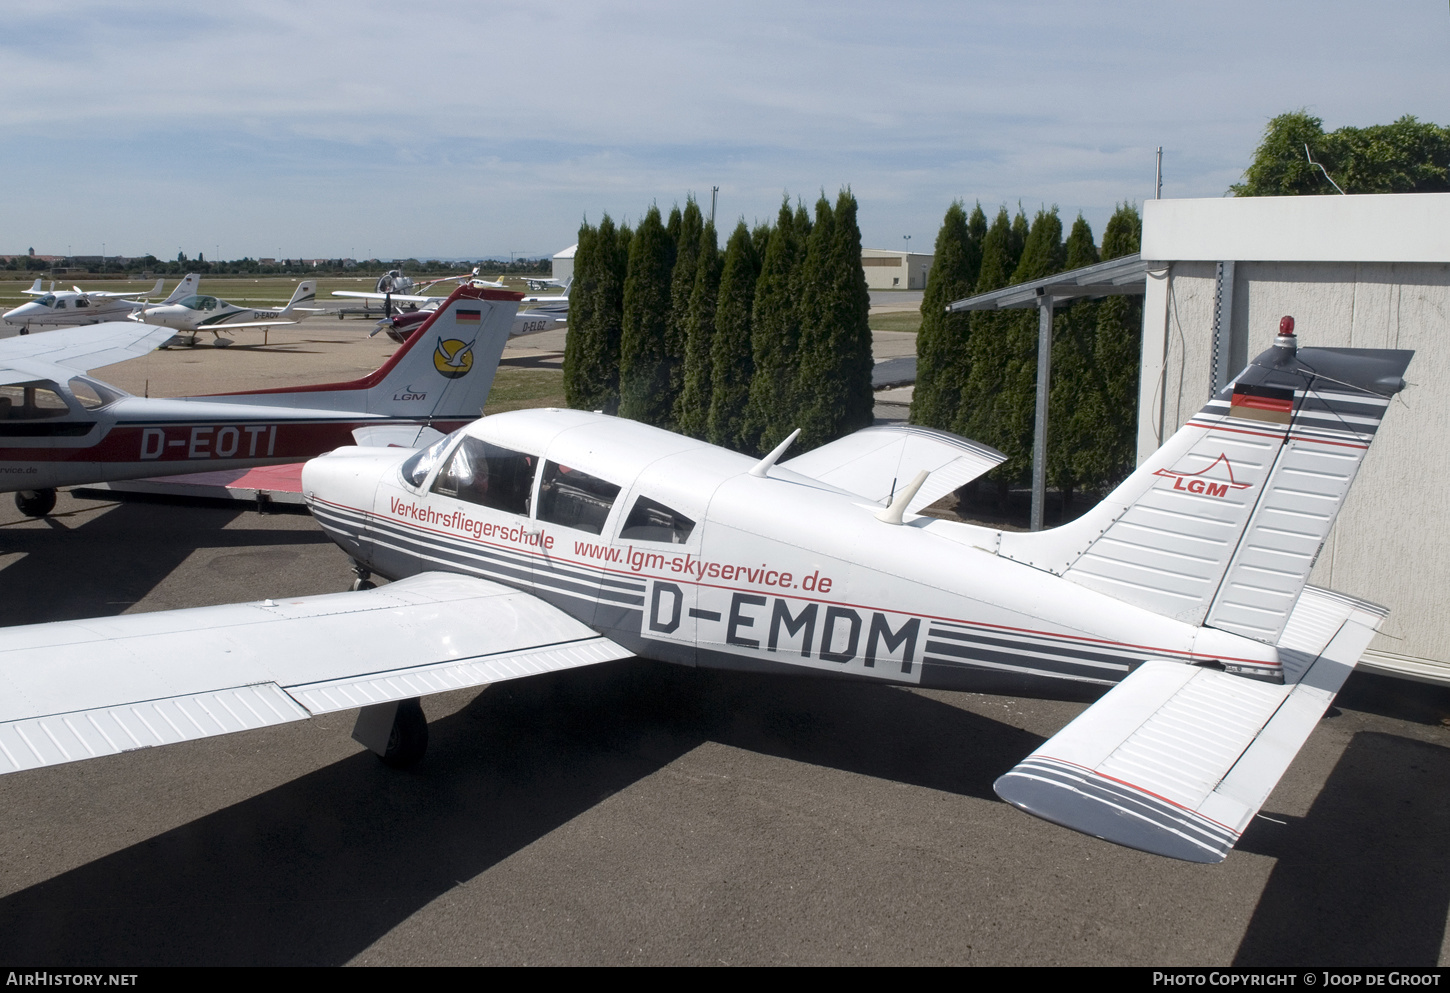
[[457, 129]]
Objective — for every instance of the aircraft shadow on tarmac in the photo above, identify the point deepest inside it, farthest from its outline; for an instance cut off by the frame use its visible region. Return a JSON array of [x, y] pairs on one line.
[[1363, 879], [94, 569], [317, 870]]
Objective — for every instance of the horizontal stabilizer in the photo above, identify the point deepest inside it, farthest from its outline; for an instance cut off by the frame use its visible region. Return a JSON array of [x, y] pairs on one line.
[[876, 462], [74, 690], [1176, 759]]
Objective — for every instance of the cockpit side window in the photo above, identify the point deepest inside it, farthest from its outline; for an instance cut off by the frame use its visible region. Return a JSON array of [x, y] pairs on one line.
[[59, 304], [83, 301], [488, 475], [651, 521], [575, 499], [31, 402]]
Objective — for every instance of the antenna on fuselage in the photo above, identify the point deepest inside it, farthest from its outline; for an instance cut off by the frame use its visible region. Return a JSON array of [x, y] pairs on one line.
[[763, 466], [893, 513]]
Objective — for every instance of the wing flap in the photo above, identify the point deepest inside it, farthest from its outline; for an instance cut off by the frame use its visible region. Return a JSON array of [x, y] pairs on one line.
[[1177, 760], [72, 690], [403, 684]]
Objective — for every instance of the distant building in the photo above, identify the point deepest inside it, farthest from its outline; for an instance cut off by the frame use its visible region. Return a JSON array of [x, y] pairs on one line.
[[563, 267], [890, 270]]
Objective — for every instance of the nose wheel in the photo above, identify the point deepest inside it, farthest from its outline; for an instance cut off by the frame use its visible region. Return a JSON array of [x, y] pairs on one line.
[[362, 579], [35, 503]]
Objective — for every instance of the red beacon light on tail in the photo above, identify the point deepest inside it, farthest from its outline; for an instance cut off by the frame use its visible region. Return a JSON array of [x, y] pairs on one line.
[[1286, 337]]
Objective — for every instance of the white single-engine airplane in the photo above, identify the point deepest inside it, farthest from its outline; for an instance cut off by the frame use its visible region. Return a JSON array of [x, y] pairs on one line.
[[58, 427], [76, 307], [198, 312], [544, 540]]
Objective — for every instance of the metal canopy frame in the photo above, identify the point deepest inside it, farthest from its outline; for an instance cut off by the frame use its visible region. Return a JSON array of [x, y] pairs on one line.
[[1124, 276]]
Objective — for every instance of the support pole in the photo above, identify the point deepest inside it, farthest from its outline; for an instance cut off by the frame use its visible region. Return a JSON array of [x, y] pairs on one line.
[[1039, 433]]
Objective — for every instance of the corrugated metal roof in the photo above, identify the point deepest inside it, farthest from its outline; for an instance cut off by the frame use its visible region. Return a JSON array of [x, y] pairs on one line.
[[1118, 277]]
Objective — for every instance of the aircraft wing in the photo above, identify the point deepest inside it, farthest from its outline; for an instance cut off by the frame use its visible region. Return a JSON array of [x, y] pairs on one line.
[[74, 690], [395, 297], [1177, 759], [875, 462], [67, 351]]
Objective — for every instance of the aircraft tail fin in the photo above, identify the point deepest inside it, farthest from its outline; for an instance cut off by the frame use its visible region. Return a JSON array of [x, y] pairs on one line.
[[35, 289], [1221, 526], [306, 292], [448, 365], [185, 288]]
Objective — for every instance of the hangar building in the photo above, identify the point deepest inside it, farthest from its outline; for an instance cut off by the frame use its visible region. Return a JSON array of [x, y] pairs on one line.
[[889, 270], [1358, 271]]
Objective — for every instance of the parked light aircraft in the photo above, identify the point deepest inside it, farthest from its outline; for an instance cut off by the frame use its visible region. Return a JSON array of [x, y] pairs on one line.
[[536, 313], [198, 312], [545, 540], [59, 427], [76, 307]]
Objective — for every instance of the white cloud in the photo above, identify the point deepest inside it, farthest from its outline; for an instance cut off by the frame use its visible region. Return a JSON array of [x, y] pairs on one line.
[[424, 128]]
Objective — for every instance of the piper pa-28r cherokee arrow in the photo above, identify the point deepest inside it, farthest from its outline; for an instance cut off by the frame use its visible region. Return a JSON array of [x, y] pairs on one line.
[[543, 540], [58, 427]]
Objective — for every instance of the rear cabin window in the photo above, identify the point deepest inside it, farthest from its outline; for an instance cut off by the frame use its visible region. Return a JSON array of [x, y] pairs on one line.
[[31, 402], [575, 499], [651, 521], [489, 476]]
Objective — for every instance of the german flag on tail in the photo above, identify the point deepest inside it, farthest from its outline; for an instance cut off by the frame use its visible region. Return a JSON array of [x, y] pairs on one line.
[[1274, 404]]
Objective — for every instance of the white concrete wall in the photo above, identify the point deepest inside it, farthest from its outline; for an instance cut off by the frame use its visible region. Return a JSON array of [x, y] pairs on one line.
[[1391, 543]]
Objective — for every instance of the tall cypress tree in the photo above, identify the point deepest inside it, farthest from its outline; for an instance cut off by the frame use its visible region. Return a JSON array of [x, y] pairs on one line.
[[834, 381], [682, 286], [596, 305], [731, 365], [1074, 331], [775, 332], [1112, 405], [942, 362], [644, 367], [692, 412], [986, 343], [1042, 255]]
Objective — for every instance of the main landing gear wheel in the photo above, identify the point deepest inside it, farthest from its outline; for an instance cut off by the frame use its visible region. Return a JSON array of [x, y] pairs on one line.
[[35, 503], [408, 741]]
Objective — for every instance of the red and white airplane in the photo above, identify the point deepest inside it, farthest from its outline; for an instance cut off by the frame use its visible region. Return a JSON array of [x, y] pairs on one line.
[[545, 540], [59, 427]]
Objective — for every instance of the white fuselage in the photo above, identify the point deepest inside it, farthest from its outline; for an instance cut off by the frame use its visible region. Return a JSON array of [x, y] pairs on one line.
[[206, 313], [695, 560], [67, 308]]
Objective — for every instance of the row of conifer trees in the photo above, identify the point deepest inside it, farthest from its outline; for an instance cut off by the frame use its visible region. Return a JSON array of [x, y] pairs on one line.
[[738, 348], [976, 371]]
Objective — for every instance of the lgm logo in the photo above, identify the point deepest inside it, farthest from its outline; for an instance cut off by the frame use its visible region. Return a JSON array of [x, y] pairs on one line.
[[1194, 482]]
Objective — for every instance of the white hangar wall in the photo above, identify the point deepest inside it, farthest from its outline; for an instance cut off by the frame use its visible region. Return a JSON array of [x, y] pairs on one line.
[[1362, 272]]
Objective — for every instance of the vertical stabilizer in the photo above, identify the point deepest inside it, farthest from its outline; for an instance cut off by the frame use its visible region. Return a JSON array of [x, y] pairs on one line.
[[306, 292], [187, 287], [1221, 525]]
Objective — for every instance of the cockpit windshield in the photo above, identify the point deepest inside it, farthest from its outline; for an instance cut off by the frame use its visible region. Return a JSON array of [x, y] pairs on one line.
[[200, 303], [416, 469], [46, 301]]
